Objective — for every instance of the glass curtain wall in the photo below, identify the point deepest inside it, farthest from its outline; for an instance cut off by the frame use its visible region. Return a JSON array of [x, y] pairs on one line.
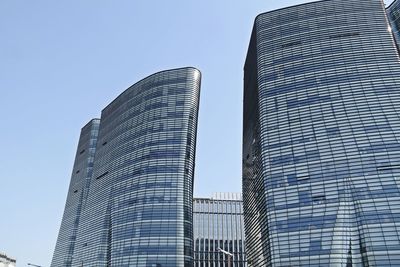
[[321, 146], [218, 223]]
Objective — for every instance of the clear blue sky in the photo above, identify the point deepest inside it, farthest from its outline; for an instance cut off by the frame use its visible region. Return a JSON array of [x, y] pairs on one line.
[[61, 62]]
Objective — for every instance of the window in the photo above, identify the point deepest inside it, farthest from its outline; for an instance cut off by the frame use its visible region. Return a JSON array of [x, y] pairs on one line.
[[104, 174]]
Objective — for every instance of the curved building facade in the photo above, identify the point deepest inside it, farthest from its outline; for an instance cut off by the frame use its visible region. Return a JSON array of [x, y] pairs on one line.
[[138, 210], [321, 143]]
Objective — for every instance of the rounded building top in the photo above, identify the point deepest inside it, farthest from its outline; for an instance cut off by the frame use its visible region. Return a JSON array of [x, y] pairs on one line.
[[141, 82], [289, 7]]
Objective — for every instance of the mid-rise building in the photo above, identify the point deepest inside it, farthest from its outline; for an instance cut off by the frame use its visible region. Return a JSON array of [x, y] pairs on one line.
[[6, 261], [130, 196], [218, 224], [321, 143]]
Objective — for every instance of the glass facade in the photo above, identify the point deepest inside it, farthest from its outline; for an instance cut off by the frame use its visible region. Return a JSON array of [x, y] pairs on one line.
[[218, 223], [321, 143], [77, 194], [393, 13], [138, 208]]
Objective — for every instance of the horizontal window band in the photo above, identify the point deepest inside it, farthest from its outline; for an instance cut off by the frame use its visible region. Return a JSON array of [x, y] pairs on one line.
[[100, 176]]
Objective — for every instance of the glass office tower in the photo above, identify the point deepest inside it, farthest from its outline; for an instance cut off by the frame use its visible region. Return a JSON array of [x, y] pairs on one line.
[[138, 209], [218, 223], [321, 136], [77, 194]]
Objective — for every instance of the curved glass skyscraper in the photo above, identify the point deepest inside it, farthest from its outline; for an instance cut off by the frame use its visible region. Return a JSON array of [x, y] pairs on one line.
[[77, 194], [137, 208], [321, 150]]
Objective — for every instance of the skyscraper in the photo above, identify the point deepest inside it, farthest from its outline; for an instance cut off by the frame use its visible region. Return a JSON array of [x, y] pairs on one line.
[[218, 224], [321, 131], [77, 194], [131, 192]]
